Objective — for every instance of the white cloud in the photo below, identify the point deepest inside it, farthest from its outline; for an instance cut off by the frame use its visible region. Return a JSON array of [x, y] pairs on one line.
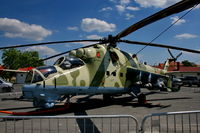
[[14, 28], [115, 1], [132, 8], [73, 28], [129, 16], [120, 8], [124, 2], [156, 3], [106, 9], [90, 37], [93, 24], [93, 37], [179, 22], [186, 36], [43, 50]]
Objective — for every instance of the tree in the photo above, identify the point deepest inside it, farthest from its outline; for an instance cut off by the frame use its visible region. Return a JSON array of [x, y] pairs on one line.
[[188, 63], [15, 59]]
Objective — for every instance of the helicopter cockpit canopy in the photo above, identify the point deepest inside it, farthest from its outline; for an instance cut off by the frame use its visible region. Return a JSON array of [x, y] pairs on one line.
[[69, 62], [40, 73]]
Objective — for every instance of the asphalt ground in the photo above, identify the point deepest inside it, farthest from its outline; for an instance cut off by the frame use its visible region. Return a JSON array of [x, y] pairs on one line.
[[187, 99]]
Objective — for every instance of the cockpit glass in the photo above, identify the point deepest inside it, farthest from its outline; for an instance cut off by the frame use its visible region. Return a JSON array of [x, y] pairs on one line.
[[47, 70], [69, 62], [29, 77], [37, 77]]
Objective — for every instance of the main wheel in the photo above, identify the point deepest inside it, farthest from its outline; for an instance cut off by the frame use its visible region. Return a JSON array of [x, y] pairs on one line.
[[107, 98]]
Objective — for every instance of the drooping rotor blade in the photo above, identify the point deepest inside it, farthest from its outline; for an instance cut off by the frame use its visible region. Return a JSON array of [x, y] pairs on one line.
[[49, 43], [160, 45], [170, 53], [176, 8], [179, 55], [53, 56]]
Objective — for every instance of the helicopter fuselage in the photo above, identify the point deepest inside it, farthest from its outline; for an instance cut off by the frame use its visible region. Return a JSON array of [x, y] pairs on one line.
[[97, 70]]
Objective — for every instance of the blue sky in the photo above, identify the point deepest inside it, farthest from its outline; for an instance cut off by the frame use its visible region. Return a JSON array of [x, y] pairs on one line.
[[33, 21]]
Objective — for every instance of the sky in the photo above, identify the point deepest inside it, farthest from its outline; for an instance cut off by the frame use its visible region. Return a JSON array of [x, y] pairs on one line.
[[34, 21]]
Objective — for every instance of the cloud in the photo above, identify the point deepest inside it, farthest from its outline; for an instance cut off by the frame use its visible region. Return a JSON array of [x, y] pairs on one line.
[[93, 24], [124, 2], [106, 9], [90, 37], [93, 37], [177, 20], [73, 28], [131, 8], [13, 28], [120, 8], [43, 50], [129, 16], [156, 3], [123, 7], [186, 36]]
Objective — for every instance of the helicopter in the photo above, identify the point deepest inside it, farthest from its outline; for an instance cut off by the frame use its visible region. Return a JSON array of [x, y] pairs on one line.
[[101, 68]]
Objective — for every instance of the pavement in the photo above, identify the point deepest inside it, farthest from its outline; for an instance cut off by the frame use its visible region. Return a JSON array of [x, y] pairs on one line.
[[187, 99]]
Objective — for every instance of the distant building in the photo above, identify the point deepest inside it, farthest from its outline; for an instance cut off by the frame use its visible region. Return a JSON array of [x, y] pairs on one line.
[[20, 74], [179, 70]]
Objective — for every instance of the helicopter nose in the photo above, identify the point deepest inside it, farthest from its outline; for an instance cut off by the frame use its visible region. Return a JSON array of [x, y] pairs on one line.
[[27, 91]]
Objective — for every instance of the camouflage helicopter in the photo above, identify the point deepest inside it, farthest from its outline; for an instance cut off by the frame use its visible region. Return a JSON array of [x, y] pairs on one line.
[[101, 68]]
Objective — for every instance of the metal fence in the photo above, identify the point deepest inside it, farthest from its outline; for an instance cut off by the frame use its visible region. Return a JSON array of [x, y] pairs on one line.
[[169, 122], [69, 124], [172, 122]]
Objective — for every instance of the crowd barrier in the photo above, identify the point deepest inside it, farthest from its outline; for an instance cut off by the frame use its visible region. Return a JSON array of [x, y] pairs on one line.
[[169, 122]]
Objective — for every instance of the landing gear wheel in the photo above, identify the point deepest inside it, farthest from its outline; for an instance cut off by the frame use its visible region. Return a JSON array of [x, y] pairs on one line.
[[107, 98], [142, 98], [35, 102]]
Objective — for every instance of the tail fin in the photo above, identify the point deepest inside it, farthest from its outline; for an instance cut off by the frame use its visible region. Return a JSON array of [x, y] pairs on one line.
[[167, 63]]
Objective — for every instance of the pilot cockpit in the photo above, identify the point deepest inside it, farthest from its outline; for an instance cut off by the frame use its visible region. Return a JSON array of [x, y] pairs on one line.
[[69, 62], [40, 73]]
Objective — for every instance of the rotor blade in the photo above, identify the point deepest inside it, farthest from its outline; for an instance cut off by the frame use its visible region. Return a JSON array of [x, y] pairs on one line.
[[66, 52], [176, 8], [160, 45], [170, 53], [48, 43], [179, 55]]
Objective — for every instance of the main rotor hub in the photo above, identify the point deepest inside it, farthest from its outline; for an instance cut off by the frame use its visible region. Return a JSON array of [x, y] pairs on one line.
[[112, 41]]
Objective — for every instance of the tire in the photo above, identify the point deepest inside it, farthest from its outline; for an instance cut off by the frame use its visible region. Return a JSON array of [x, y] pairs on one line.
[[189, 84], [107, 98], [35, 102]]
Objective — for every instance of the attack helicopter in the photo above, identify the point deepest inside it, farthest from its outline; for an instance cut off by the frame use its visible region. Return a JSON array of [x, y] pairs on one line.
[[101, 68]]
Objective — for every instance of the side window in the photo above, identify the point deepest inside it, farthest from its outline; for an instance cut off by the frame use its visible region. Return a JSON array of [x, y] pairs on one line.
[[71, 62], [65, 65], [114, 57], [37, 77]]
